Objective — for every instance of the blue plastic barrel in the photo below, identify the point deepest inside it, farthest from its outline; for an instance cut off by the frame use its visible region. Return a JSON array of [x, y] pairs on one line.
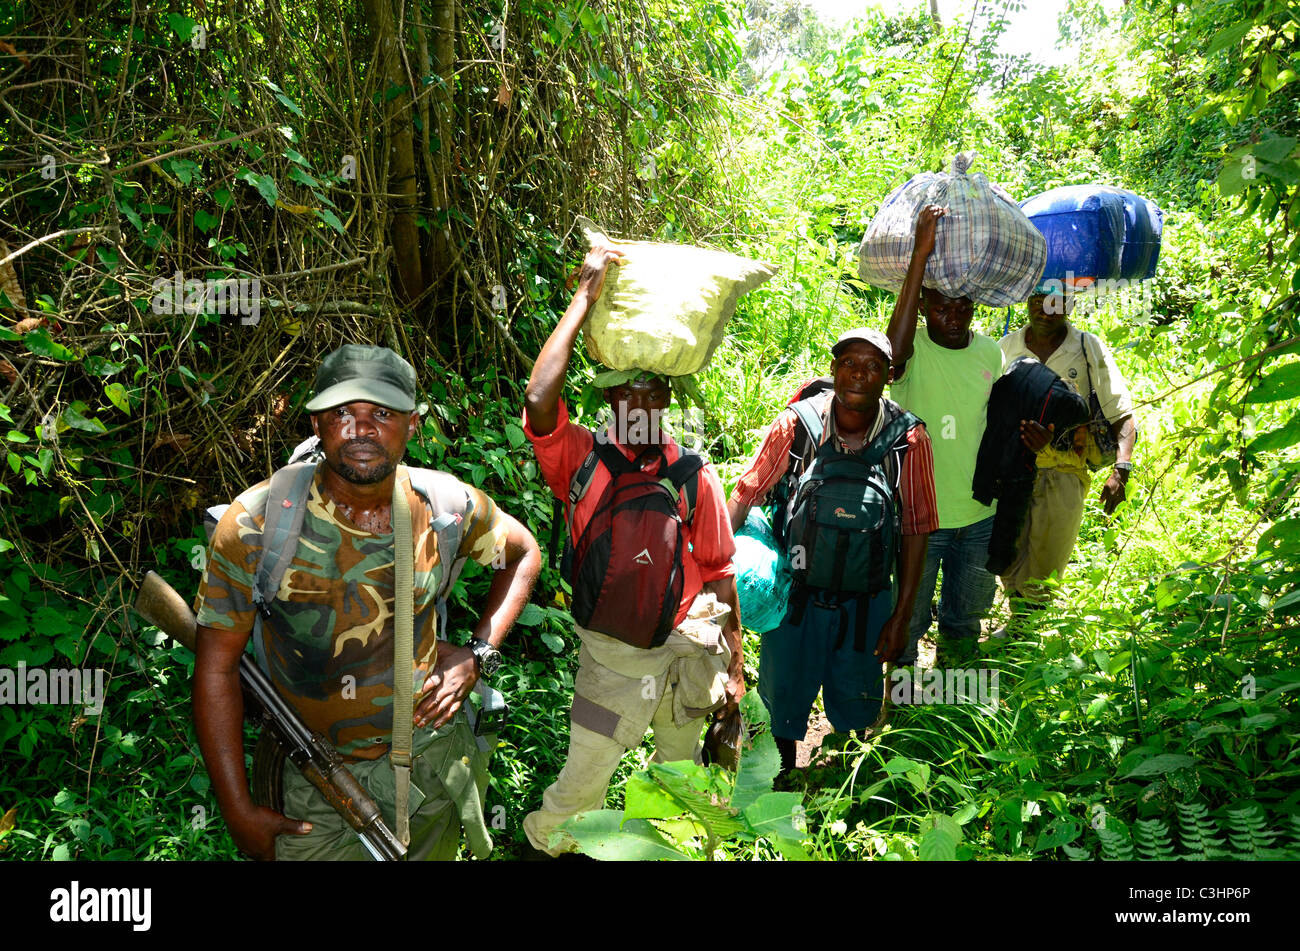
[[1097, 231]]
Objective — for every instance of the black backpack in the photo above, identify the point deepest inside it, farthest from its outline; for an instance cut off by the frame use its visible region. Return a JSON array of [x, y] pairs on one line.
[[626, 568], [840, 518]]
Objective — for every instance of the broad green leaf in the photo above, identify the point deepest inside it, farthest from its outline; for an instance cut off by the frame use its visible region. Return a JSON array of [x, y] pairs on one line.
[[759, 760], [553, 641], [900, 764], [264, 184], [182, 26], [1058, 832], [1274, 149], [296, 174], [1230, 180], [605, 835], [205, 221], [772, 815], [643, 798], [1285, 435], [1230, 36], [937, 845], [1289, 603], [1282, 384], [331, 219], [689, 784], [117, 395], [1282, 538], [1158, 765], [514, 435], [75, 417], [39, 342], [66, 801], [531, 616]]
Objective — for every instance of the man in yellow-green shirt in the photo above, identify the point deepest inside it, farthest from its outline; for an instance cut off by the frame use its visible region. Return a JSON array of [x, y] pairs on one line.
[[944, 376]]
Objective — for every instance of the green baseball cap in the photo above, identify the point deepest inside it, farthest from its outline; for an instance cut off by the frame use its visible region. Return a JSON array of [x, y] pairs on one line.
[[355, 373]]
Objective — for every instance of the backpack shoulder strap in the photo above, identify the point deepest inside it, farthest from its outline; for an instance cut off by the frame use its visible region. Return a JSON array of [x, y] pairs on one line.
[[581, 480], [286, 506], [613, 460], [684, 474], [448, 504], [1087, 358], [893, 431], [810, 415]]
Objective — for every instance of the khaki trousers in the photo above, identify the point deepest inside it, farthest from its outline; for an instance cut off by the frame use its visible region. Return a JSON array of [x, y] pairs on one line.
[[1051, 528], [621, 690]]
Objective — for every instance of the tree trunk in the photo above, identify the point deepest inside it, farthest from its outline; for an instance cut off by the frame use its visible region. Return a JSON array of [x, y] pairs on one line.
[[442, 66], [934, 13], [401, 206]]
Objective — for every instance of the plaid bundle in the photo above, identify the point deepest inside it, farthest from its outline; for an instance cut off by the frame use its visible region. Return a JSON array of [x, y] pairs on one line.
[[985, 248]]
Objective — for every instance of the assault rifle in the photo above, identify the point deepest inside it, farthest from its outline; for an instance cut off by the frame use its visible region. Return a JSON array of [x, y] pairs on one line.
[[161, 605]]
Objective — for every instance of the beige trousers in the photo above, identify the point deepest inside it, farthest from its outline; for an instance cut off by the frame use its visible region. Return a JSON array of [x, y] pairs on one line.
[[1051, 528], [621, 690]]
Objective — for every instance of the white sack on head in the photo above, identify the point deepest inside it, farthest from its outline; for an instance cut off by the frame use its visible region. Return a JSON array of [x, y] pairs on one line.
[[664, 309], [984, 248]]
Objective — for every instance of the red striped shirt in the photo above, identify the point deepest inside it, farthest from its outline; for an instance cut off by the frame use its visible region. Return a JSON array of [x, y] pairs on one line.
[[916, 483]]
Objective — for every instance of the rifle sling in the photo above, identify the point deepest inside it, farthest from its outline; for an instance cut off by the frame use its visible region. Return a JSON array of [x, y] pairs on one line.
[[403, 658]]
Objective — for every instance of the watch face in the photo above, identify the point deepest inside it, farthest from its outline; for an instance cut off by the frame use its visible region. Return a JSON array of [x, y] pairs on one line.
[[489, 658]]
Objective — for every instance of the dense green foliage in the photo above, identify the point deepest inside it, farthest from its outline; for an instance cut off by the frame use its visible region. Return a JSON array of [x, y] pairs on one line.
[[1153, 712]]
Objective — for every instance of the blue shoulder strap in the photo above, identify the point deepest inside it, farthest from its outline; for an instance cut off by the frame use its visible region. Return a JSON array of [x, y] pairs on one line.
[[811, 419]]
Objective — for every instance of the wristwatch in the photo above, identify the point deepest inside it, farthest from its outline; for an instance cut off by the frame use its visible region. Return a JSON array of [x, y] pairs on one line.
[[486, 657], [1124, 466]]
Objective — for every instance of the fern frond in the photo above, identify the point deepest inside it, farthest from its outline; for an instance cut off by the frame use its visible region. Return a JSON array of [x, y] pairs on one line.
[[1115, 846], [1075, 853], [1248, 831], [1153, 840], [1199, 833]]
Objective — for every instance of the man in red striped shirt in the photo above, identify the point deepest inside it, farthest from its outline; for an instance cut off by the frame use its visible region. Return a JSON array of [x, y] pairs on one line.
[[812, 649]]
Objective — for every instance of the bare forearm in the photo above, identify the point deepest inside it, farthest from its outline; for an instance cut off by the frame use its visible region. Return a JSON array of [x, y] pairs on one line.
[[542, 397], [724, 589], [737, 513], [219, 724], [911, 566], [902, 322], [1125, 433], [508, 594]]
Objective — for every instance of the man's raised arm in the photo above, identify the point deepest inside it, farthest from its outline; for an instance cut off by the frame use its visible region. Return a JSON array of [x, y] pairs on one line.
[[902, 323], [542, 397]]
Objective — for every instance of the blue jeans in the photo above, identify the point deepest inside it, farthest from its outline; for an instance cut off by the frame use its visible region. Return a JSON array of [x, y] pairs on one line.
[[968, 587]]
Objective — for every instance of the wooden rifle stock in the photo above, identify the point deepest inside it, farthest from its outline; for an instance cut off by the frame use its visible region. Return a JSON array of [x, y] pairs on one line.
[[161, 605]]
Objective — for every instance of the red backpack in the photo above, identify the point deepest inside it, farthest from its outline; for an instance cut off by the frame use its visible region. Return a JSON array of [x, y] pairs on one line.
[[626, 568]]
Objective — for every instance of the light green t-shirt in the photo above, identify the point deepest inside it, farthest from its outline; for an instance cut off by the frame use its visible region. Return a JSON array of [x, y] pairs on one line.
[[949, 390]]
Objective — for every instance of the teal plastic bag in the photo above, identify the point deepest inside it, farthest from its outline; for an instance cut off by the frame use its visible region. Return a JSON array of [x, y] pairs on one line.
[[762, 578]]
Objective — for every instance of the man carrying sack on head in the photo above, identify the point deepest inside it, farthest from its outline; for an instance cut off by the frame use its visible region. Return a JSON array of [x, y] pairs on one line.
[[654, 592], [375, 549]]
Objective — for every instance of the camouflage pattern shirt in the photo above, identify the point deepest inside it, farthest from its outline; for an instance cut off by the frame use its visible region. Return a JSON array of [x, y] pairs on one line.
[[329, 640]]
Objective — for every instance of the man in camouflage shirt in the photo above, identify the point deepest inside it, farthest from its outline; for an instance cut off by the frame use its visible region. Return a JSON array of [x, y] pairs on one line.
[[329, 639]]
